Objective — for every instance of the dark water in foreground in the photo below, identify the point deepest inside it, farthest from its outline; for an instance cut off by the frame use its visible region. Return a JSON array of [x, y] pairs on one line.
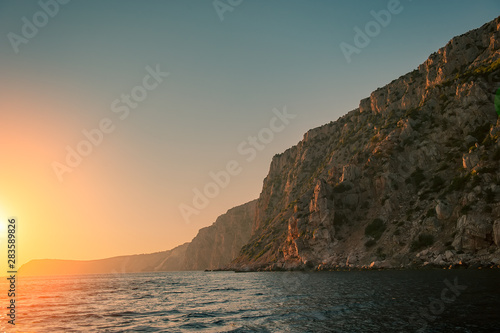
[[370, 301]]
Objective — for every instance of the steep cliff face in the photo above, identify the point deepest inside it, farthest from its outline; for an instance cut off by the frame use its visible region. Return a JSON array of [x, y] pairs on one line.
[[411, 177], [215, 246]]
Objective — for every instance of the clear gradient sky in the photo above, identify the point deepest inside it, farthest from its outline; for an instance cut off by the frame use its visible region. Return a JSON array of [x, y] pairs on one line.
[[225, 78]]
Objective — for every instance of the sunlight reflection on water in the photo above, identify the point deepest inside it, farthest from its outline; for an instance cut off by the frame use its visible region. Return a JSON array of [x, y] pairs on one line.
[[255, 302]]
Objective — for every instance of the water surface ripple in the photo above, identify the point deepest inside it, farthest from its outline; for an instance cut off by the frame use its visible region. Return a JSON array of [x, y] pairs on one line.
[[369, 301]]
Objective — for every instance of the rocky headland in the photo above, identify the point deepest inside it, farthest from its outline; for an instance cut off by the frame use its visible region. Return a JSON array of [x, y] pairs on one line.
[[409, 179]]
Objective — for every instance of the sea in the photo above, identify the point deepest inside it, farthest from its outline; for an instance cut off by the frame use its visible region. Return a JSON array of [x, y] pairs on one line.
[[340, 301]]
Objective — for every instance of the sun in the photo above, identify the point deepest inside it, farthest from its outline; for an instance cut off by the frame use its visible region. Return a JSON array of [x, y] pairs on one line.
[[3, 224]]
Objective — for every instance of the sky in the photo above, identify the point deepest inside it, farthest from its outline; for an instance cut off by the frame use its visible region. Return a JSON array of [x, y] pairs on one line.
[[126, 126]]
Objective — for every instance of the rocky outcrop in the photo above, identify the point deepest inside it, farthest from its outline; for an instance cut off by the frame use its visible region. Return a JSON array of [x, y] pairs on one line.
[[496, 232], [473, 233], [215, 246], [410, 178]]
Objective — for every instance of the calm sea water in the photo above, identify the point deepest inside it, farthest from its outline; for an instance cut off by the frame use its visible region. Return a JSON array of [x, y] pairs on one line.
[[370, 301]]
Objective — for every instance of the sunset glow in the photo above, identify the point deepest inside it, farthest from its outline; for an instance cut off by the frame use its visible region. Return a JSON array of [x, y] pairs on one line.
[[249, 165], [3, 223], [124, 196]]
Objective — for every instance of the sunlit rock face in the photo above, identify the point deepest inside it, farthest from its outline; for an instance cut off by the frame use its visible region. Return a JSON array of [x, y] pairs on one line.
[[411, 177]]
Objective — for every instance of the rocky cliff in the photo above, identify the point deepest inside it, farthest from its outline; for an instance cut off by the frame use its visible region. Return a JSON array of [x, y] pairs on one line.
[[215, 246], [410, 178]]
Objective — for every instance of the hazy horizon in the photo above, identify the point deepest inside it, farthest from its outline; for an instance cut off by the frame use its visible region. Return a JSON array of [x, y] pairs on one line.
[[228, 81]]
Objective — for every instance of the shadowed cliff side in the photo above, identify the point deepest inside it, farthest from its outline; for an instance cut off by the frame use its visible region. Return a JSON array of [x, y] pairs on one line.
[[215, 246], [171, 260]]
